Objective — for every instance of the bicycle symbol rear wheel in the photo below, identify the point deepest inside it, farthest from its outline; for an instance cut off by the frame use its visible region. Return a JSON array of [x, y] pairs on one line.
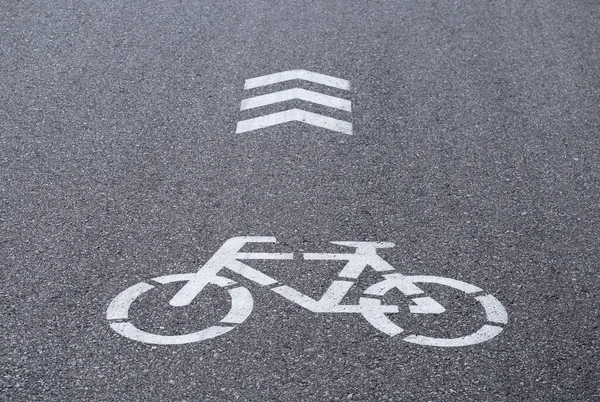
[[118, 309]]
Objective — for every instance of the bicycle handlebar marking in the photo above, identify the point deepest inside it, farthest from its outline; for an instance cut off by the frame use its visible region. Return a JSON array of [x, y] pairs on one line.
[[371, 308]]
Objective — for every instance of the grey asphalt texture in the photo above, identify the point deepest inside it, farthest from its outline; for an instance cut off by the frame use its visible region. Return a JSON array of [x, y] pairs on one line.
[[476, 150]]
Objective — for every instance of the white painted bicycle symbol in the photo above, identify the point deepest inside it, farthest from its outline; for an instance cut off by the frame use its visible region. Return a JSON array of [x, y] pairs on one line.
[[370, 304]]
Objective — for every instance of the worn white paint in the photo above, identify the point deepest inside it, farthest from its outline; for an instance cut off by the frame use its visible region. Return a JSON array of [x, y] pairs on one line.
[[329, 302], [128, 330], [426, 305], [365, 255], [375, 315], [297, 75], [296, 93], [287, 116], [291, 115], [118, 309], [453, 283], [371, 308], [484, 333], [494, 310], [227, 257], [241, 307], [392, 281]]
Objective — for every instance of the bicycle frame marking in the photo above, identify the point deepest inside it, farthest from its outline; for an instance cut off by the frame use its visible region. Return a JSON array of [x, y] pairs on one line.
[[365, 255]]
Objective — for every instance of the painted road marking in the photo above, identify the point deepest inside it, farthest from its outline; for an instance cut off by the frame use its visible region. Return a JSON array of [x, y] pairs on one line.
[[287, 116], [371, 308], [483, 334], [297, 75], [241, 307], [300, 115], [296, 93]]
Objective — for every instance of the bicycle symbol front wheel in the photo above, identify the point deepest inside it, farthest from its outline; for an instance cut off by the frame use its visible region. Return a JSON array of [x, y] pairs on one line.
[[118, 312], [495, 312]]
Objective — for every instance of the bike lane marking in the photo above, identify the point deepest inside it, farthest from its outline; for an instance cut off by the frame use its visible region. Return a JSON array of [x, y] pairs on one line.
[[241, 307], [494, 310], [296, 93], [294, 114], [484, 334], [242, 302], [297, 75], [290, 115]]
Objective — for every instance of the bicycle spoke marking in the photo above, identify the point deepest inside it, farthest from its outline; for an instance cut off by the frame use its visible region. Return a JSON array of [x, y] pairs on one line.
[[370, 305]]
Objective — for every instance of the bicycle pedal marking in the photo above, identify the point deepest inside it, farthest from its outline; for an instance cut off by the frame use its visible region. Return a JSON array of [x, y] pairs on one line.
[[370, 305]]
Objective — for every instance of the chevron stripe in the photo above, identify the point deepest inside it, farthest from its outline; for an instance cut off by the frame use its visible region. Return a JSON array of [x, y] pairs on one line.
[[294, 115], [297, 75], [296, 93]]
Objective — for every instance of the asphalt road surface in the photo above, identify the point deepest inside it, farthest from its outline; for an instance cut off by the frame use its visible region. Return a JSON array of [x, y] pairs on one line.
[[474, 148]]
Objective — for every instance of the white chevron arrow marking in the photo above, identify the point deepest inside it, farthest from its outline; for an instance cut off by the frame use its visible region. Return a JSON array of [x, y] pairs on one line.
[[294, 115], [297, 75], [296, 93]]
